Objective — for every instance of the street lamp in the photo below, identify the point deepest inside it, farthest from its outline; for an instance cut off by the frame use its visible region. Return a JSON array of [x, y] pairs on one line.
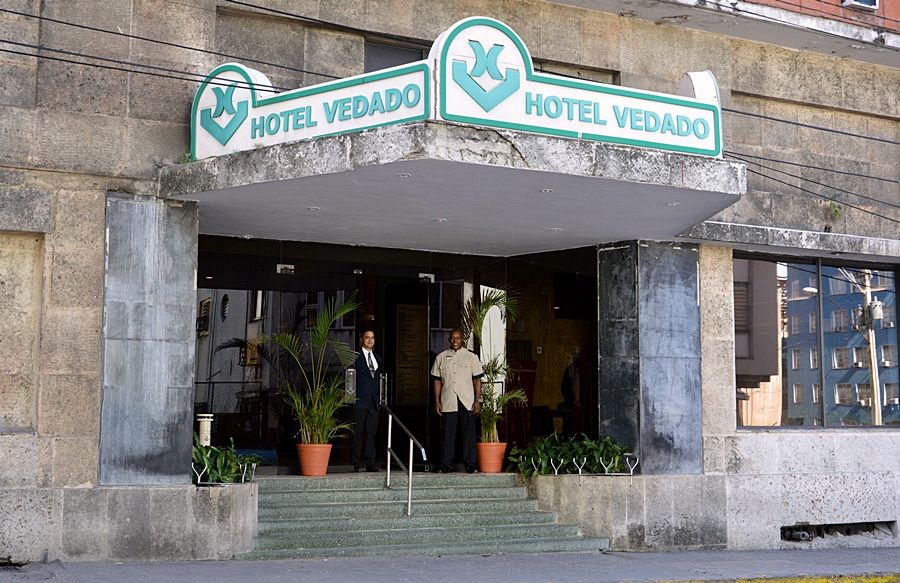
[[864, 322]]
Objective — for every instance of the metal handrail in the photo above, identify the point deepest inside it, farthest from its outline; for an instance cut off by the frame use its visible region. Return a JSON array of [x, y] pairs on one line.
[[392, 454]]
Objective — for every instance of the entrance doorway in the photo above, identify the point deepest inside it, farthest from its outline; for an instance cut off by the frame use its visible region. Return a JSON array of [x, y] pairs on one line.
[[411, 299]]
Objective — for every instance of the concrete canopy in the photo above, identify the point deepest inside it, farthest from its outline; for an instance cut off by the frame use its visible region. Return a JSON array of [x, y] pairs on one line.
[[451, 188]]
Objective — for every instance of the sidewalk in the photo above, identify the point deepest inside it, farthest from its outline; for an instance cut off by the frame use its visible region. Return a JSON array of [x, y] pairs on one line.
[[844, 565]]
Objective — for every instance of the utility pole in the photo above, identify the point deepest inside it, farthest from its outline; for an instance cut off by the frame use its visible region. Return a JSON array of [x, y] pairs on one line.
[[866, 317]]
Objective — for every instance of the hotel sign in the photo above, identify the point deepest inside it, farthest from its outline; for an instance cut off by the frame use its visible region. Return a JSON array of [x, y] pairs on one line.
[[479, 72]]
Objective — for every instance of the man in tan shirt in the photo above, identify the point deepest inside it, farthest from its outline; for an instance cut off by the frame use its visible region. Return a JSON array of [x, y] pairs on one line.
[[456, 375]]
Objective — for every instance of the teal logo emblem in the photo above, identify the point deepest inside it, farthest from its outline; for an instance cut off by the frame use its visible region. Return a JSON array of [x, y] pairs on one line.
[[486, 62], [224, 104]]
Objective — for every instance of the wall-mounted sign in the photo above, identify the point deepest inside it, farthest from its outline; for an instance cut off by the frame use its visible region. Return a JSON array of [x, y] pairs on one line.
[[480, 72], [235, 108]]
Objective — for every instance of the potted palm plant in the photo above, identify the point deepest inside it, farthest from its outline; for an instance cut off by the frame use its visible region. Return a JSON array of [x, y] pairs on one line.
[[494, 399], [315, 393]]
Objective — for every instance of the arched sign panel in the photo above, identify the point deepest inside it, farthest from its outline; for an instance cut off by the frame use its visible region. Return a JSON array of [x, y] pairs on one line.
[[479, 72]]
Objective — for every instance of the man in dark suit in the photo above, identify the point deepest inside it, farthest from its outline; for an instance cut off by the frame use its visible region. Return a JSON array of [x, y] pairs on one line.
[[368, 402]]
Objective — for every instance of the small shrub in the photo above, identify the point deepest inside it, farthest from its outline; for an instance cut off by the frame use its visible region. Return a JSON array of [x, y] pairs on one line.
[[224, 465], [563, 450]]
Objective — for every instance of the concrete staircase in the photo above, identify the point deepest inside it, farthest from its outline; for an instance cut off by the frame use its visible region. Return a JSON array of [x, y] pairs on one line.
[[354, 515]]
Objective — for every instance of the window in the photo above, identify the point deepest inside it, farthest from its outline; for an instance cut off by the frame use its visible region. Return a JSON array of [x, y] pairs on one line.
[[795, 359], [892, 393], [843, 394], [800, 361], [839, 284], [842, 357], [257, 305], [203, 317], [860, 4], [741, 306], [864, 394], [889, 320], [840, 321], [383, 56], [889, 355]]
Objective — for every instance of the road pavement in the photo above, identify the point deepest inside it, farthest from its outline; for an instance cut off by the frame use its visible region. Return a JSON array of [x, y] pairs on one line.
[[831, 565]]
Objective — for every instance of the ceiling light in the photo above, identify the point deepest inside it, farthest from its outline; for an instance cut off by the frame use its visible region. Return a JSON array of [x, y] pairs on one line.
[[404, 174], [440, 220], [246, 236], [208, 277], [554, 229], [546, 190], [673, 203], [312, 209]]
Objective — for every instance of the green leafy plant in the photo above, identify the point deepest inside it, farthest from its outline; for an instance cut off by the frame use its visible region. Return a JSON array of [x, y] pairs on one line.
[[495, 367], [220, 465], [316, 394], [539, 457]]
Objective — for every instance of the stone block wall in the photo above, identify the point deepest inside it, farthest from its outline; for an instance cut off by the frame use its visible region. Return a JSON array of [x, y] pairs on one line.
[[127, 523]]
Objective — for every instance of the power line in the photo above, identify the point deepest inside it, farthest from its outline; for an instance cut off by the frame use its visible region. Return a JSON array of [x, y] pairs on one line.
[[822, 196], [112, 68], [810, 126], [162, 42], [814, 181], [811, 167], [241, 84]]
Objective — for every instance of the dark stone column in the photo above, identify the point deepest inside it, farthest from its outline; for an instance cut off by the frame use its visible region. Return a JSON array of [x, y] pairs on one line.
[[649, 342], [148, 341]]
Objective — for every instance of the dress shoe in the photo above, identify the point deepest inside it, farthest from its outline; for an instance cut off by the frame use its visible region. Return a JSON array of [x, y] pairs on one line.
[[371, 468], [446, 470], [470, 469], [357, 468]]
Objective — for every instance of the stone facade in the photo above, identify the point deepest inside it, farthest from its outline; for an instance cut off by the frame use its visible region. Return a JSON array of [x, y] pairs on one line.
[[73, 138]]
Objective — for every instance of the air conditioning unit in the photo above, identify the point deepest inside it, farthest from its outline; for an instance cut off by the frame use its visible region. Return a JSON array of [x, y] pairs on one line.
[[865, 402], [864, 4], [887, 324], [893, 401], [859, 365], [886, 363]]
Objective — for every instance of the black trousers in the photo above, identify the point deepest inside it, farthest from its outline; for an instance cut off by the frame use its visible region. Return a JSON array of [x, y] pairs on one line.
[[464, 421], [365, 424]]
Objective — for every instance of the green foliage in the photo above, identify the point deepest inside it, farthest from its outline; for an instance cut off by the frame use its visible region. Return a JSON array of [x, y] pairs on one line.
[[317, 399], [495, 367], [223, 464], [556, 447], [492, 409], [186, 158]]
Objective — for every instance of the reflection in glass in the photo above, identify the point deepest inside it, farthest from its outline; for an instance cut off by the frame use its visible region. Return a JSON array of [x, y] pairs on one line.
[[840, 366]]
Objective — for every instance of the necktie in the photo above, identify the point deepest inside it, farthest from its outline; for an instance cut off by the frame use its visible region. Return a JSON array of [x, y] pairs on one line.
[[371, 364]]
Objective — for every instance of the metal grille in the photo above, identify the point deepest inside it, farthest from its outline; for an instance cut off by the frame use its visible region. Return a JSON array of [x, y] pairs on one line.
[[225, 396]]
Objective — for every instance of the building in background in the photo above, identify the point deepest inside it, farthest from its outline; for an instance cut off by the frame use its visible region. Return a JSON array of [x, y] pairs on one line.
[[719, 340]]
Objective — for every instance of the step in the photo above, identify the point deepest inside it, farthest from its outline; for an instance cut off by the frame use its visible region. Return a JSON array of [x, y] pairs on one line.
[[396, 508], [279, 499], [436, 536], [464, 548], [289, 526], [377, 480]]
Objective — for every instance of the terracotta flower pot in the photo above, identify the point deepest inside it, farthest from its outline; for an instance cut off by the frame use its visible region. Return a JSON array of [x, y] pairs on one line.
[[313, 458], [490, 457]]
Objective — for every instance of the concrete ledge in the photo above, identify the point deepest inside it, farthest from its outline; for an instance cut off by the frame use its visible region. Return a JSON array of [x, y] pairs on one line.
[[127, 523], [454, 143], [795, 242]]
